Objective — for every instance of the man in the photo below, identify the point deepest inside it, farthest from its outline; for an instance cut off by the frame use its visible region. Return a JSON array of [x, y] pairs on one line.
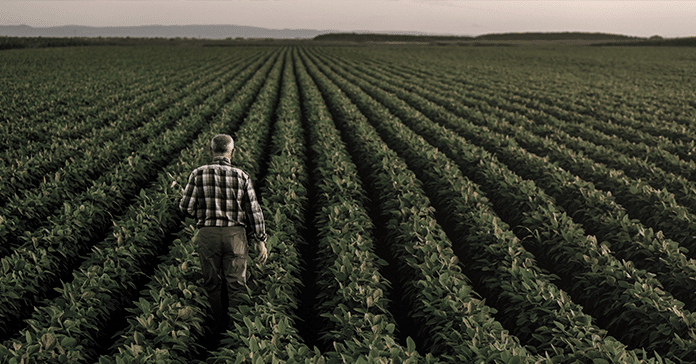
[[222, 199]]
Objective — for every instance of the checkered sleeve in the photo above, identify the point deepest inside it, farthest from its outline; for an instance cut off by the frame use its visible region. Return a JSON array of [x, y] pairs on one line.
[[254, 212], [188, 202]]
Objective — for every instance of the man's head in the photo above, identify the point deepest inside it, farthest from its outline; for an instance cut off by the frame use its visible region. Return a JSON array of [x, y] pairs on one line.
[[222, 145]]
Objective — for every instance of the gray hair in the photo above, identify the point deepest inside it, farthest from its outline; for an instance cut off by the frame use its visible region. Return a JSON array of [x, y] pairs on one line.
[[222, 144]]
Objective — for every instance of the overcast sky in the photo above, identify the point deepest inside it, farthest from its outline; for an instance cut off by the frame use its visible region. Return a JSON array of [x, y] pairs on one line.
[[636, 18]]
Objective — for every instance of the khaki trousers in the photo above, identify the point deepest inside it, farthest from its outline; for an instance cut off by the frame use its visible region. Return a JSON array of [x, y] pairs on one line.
[[223, 252]]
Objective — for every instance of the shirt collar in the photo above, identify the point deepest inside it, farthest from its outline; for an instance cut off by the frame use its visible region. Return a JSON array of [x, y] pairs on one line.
[[222, 160]]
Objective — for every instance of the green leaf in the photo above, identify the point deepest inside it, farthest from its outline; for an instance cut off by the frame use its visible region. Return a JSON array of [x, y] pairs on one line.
[[253, 345], [48, 340], [410, 345], [248, 323], [67, 342]]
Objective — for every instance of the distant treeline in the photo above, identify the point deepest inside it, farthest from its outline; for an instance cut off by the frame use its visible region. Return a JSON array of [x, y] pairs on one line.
[[48, 42], [657, 42], [504, 39], [556, 36], [22, 42], [371, 37]]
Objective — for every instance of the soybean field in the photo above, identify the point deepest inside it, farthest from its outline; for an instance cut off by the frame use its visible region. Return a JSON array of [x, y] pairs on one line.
[[424, 204]]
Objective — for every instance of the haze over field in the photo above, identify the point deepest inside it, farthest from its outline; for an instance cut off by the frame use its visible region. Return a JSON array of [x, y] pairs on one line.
[[452, 17]]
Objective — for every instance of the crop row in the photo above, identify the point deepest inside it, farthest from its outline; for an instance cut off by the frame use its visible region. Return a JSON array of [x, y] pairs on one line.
[[64, 104], [453, 321], [552, 111], [403, 110], [501, 264], [658, 208], [57, 247], [151, 334], [353, 293], [613, 96], [262, 323], [414, 214], [263, 332], [57, 102], [595, 209], [69, 327], [29, 210], [26, 164]]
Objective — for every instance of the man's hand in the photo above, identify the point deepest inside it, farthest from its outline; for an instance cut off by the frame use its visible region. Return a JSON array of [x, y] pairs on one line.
[[263, 252]]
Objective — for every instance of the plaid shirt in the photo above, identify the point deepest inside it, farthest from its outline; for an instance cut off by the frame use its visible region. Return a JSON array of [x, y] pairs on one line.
[[222, 195]]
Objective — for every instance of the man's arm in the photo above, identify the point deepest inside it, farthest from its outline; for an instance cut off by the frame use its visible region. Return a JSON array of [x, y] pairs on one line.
[[256, 221], [187, 205], [254, 213]]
